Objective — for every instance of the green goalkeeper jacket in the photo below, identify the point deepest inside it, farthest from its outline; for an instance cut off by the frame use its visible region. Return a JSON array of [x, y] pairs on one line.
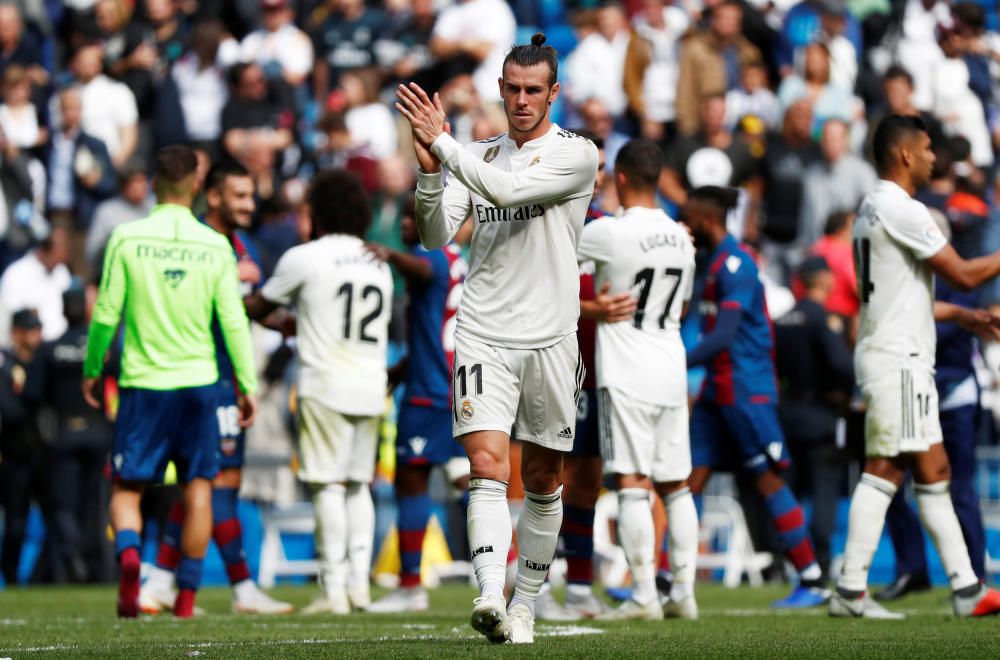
[[169, 275]]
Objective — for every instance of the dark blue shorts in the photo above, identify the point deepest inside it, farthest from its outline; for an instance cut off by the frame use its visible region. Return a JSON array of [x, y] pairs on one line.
[[155, 427], [423, 436], [742, 435], [587, 442], [232, 439]]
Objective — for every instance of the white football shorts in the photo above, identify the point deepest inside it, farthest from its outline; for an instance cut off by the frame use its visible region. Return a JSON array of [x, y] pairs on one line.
[[333, 447], [530, 390], [902, 413], [643, 438]]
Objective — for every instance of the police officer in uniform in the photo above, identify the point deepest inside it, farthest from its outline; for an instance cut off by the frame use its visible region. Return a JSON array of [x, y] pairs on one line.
[[81, 440], [815, 376]]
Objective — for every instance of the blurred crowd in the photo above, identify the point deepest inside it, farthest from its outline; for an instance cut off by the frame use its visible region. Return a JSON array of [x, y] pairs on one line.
[[776, 97]]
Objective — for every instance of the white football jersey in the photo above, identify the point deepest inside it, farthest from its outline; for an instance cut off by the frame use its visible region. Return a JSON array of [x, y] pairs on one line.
[[343, 300], [527, 207], [893, 236], [648, 254]]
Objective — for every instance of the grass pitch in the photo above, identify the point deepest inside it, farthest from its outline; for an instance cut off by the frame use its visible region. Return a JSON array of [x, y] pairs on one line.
[[80, 622]]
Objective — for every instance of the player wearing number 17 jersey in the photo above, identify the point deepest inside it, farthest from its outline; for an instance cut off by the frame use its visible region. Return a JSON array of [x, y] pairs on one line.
[[342, 295], [641, 379], [898, 248]]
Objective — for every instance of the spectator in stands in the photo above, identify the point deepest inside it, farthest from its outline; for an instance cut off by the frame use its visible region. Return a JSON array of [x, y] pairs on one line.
[[816, 375], [652, 63], [788, 155], [710, 63], [344, 39], [713, 154], [16, 47], [16, 230], [813, 82], [254, 129], [278, 46], [917, 44], [833, 21], [37, 280], [80, 172], [598, 120], [369, 121], [110, 113], [595, 69], [80, 448], [134, 201], [805, 24], [953, 102], [835, 247], [201, 85], [474, 35], [837, 183], [18, 115], [24, 473], [403, 50], [752, 97]]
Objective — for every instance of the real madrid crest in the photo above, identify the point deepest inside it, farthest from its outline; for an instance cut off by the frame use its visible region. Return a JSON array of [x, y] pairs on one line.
[[491, 153], [467, 409]]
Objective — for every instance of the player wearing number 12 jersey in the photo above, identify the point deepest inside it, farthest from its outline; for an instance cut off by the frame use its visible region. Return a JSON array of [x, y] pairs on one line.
[[641, 379], [342, 294], [898, 248]]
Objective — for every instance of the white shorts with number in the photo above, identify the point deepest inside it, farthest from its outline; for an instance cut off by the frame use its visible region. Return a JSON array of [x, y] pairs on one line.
[[333, 447], [902, 413], [532, 390], [643, 438]]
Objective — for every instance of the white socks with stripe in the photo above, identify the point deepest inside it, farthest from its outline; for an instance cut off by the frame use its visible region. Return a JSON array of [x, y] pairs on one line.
[[537, 535], [360, 532], [638, 538], [938, 515], [865, 521], [682, 521], [490, 530], [331, 535]]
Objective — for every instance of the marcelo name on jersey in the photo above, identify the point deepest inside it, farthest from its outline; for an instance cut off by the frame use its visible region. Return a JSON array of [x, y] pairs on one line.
[[486, 213]]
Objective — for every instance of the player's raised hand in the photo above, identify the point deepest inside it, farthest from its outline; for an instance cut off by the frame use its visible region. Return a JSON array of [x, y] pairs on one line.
[[426, 117]]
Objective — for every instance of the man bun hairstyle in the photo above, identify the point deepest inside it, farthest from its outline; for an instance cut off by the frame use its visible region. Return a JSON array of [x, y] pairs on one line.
[[722, 198], [535, 53], [890, 132], [640, 160]]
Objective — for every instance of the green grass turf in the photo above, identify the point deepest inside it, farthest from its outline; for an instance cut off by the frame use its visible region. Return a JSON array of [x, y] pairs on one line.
[[80, 622]]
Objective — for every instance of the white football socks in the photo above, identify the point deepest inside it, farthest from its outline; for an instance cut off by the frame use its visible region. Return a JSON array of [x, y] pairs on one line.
[[360, 531], [537, 535], [865, 521], [638, 538], [331, 535], [490, 530], [938, 515], [682, 519]]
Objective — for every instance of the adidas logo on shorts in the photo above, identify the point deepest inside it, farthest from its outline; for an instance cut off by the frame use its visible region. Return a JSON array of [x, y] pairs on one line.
[[566, 433]]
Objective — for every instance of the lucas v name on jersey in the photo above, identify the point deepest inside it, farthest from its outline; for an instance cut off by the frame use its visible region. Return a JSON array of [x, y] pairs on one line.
[[485, 213]]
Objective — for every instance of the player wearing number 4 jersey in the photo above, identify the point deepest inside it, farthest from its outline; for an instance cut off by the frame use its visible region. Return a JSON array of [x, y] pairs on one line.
[[641, 379], [898, 248], [516, 357], [342, 295]]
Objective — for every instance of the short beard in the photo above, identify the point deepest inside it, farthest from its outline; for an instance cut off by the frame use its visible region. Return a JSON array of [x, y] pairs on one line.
[[535, 125]]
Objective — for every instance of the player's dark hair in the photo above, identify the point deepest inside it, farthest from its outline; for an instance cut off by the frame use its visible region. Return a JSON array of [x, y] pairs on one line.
[[590, 135], [640, 160], [890, 133], [723, 199], [220, 171], [174, 170], [535, 53], [339, 204], [835, 222], [897, 72]]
